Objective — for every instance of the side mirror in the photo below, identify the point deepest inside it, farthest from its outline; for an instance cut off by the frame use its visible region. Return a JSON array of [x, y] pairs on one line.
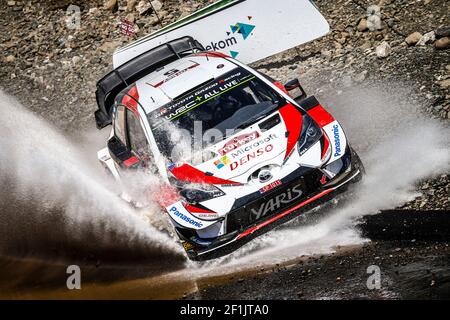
[[295, 89], [121, 155]]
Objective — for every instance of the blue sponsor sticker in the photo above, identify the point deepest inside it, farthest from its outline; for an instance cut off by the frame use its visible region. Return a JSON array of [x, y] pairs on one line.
[[337, 140], [183, 217]]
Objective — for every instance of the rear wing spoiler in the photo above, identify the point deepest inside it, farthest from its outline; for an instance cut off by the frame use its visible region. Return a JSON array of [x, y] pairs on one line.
[[110, 85]]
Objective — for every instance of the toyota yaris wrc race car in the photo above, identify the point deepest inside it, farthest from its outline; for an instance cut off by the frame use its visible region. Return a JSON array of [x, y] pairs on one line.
[[236, 151]]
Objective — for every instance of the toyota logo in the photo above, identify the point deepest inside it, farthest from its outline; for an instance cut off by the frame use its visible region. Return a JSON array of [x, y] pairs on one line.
[[264, 176]]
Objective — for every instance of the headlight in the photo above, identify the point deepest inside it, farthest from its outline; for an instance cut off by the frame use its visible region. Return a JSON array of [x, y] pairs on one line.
[[199, 193], [311, 133]]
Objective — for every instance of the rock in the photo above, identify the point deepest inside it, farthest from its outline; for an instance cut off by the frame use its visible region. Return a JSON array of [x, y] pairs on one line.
[[11, 3], [362, 25], [110, 5], [10, 58], [442, 43], [326, 53], [143, 7], [342, 40], [130, 17], [426, 38], [366, 45], [443, 32], [374, 23], [374, 10], [109, 46], [413, 38], [163, 14], [157, 5], [361, 76], [374, 18], [131, 4], [383, 50], [445, 83], [76, 59]]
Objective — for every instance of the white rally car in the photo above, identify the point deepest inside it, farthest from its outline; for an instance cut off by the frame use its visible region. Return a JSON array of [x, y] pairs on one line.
[[236, 151]]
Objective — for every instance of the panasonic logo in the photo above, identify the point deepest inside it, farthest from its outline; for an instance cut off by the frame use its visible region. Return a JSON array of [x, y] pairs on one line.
[[222, 44], [178, 214], [275, 203], [337, 141], [252, 155]]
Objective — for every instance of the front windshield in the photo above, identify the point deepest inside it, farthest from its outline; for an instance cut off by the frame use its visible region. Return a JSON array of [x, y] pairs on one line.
[[222, 106]]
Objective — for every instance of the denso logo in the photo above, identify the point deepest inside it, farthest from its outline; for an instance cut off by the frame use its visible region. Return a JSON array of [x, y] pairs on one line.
[[248, 157], [337, 140], [178, 214], [275, 203], [238, 142]]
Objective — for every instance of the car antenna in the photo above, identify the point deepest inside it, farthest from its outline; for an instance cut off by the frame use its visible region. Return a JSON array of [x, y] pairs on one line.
[[157, 16]]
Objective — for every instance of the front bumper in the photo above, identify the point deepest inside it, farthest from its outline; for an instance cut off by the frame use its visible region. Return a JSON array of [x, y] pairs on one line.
[[242, 225]]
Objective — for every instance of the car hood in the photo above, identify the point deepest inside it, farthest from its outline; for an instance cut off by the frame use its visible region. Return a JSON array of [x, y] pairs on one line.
[[266, 143]]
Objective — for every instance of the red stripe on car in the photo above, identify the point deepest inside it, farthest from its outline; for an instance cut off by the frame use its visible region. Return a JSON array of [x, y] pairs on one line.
[[326, 144], [281, 215], [195, 209], [130, 161], [211, 54], [320, 115], [188, 173], [293, 119], [281, 87], [158, 84], [130, 100]]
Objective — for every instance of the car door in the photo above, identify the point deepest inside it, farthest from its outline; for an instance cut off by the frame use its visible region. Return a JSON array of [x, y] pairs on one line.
[[128, 146], [118, 143], [120, 125], [137, 141]]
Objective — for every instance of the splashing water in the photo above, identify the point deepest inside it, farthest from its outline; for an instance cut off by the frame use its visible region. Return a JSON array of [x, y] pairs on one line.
[[53, 200]]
